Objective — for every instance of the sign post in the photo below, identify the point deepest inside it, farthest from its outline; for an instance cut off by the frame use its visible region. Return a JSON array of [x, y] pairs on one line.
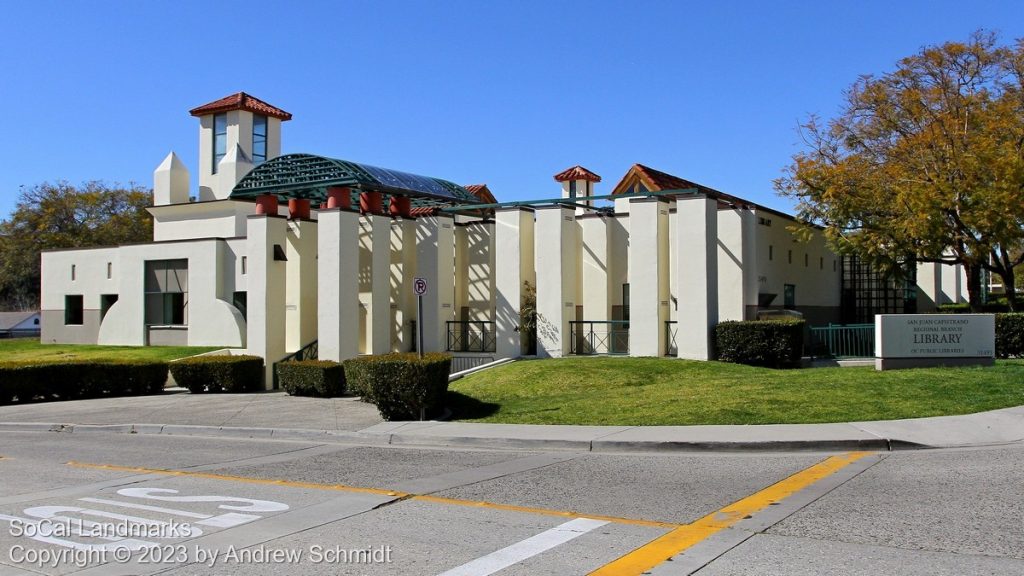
[[419, 286]]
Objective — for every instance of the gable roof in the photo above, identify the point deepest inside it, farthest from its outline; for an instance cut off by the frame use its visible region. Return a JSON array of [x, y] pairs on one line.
[[482, 192], [241, 101], [656, 181], [577, 172]]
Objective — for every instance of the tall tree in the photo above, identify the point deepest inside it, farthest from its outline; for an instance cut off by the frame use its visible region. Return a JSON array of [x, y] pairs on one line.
[[926, 161], [52, 216]]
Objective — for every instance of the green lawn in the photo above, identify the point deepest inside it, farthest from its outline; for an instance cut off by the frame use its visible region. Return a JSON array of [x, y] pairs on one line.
[[655, 391], [30, 349]]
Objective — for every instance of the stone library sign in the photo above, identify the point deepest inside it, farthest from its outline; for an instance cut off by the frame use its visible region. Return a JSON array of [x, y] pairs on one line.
[[919, 340]]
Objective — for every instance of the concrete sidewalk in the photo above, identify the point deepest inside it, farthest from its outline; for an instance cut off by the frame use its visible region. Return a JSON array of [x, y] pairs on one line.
[[276, 415]]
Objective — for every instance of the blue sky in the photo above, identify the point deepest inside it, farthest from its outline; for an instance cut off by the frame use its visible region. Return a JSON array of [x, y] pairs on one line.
[[500, 92]]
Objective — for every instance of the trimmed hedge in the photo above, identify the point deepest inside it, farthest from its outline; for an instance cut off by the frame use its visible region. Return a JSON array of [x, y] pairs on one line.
[[218, 373], [1010, 335], [767, 343], [312, 378], [28, 381], [401, 385]]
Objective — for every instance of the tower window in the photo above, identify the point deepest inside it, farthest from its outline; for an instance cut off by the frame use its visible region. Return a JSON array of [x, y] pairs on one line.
[[572, 189], [259, 140], [220, 138]]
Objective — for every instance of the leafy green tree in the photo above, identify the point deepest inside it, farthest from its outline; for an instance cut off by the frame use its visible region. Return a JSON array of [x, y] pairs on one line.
[[926, 161], [53, 216]]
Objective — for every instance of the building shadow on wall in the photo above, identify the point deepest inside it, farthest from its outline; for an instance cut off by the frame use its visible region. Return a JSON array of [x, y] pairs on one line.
[[467, 407]]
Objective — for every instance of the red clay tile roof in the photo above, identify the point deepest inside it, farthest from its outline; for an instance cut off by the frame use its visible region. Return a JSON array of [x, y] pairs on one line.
[[241, 101], [482, 192], [577, 172], [657, 181], [663, 180], [424, 211]]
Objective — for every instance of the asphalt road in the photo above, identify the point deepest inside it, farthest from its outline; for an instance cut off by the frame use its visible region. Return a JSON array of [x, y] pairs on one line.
[[104, 503]]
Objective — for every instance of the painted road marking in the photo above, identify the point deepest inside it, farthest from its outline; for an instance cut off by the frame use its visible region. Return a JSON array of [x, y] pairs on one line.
[[398, 495], [147, 507], [661, 549], [543, 511], [520, 551], [44, 519]]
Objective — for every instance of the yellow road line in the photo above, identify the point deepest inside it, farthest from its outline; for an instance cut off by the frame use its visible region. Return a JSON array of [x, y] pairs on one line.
[[379, 491], [543, 511], [661, 549], [211, 476]]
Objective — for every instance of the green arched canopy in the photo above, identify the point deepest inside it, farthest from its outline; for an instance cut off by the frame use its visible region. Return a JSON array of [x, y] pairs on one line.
[[308, 177]]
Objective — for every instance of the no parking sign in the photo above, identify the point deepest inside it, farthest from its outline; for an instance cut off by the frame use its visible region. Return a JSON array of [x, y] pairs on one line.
[[419, 286]]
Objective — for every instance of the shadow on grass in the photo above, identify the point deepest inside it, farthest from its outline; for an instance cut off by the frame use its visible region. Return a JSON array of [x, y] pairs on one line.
[[467, 407]]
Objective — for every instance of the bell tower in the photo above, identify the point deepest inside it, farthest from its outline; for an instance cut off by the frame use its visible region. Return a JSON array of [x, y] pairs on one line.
[[236, 133]]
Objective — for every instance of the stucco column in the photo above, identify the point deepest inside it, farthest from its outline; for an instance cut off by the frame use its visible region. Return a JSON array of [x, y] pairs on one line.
[[648, 276], [737, 272], [596, 280], [556, 280], [750, 283], [338, 284], [513, 239], [435, 262], [403, 269], [266, 286], [696, 251], [378, 315]]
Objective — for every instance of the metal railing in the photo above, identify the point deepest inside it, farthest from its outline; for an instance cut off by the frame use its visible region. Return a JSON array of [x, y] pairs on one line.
[[842, 341], [310, 351], [471, 336], [671, 329], [599, 337]]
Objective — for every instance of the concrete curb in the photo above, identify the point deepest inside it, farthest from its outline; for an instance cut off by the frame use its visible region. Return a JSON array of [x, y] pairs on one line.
[[467, 441]]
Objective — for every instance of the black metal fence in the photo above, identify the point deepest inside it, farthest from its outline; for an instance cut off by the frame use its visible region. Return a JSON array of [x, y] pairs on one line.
[[599, 337], [671, 329], [471, 336]]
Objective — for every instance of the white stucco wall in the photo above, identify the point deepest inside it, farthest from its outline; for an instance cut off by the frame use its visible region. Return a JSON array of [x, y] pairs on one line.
[[212, 319], [338, 284], [218, 219], [514, 241], [783, 259], [556, 266]]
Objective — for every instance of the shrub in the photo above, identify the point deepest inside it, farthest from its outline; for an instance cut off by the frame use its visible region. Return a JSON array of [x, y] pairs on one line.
[[218, 373], [768, 343], [1010, 335], [312, 378], [80, 379], [401, 385], [962, 308]]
